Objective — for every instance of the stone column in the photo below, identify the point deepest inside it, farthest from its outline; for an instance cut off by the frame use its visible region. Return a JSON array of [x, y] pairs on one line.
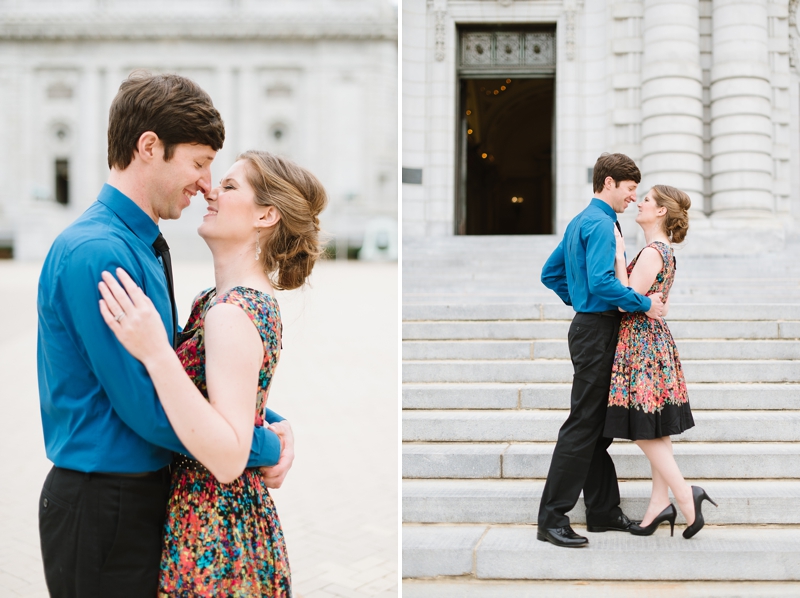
[[741, 127], [672, 99]]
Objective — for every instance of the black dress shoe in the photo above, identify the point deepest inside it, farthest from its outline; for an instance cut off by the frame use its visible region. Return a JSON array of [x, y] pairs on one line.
[[561, 536], [621, 523]]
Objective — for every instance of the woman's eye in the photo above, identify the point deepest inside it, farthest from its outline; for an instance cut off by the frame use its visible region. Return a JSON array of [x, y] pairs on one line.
[[228, 187]]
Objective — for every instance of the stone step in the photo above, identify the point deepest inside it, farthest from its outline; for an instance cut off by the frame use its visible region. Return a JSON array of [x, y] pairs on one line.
[[746, 460], [559, 349], [517, 502], [472, 588], [558, 329], [560, 370], [548, 310], [557, 396], [455, 285], [427, 293], [513, 552], [542, 425]]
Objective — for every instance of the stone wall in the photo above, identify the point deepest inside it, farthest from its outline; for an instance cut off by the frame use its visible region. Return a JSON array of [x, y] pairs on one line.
[[314, 80], [703, 94]]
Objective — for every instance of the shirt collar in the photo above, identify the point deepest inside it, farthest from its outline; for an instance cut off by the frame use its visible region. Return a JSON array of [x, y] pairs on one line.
[[605, 207], [131, 214]]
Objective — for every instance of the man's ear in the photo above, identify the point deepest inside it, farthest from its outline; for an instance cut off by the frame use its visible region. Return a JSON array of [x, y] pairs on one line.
[[269, 217], [149, 147], [608, 183]]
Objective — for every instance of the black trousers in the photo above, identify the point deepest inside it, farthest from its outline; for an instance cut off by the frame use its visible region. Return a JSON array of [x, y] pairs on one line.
[[101, 534], [580, 458]]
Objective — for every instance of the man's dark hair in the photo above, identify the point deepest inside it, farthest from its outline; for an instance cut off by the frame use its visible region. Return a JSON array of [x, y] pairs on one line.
[[173, 107], [617, 166]]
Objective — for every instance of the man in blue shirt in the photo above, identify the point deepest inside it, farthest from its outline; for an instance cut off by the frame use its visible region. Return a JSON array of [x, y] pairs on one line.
[[102, 507], [581, 272]]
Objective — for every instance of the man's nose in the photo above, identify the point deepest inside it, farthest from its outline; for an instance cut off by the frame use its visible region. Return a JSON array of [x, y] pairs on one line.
[[204, 182]]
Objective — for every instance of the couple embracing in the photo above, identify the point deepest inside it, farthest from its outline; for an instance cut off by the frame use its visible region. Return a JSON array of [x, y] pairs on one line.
[[162, 445], [628, 380]]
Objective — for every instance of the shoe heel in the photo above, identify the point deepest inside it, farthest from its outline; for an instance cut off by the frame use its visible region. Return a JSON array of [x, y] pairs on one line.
[[671, 528], [708, 498]]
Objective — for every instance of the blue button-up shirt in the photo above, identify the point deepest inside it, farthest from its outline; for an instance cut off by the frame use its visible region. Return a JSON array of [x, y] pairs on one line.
[[581, 269], [100, 411]]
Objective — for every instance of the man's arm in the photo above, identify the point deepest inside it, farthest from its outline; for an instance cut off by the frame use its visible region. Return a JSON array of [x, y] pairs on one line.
[[601, 248], [271, 417], [122, 377], [554, 274]]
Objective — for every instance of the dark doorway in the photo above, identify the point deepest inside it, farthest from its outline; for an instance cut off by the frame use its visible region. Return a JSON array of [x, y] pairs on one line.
[[62, 182], [506, 156]]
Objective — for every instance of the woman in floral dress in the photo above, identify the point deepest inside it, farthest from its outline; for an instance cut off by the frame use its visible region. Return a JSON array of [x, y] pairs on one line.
[[648, 401], [222, 535]]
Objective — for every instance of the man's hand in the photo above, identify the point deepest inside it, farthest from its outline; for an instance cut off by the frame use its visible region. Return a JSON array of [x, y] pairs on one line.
[[274, 476], [656, 307]]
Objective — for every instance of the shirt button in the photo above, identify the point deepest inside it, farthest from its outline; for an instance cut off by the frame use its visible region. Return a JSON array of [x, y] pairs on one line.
[[45, 502]]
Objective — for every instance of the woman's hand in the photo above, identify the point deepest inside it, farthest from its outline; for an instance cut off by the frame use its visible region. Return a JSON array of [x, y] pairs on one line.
[[132, 317]]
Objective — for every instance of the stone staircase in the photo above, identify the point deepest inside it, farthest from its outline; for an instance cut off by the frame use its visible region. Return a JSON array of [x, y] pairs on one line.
[[486, 381]]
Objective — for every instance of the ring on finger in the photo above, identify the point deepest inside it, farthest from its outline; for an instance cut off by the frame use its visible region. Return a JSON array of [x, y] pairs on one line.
[[120, 316]]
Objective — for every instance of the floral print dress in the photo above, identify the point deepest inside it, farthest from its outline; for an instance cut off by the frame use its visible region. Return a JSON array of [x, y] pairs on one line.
[[225, 539], [648, 396]]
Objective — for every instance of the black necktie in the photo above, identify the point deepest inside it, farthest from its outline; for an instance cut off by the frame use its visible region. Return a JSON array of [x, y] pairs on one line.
[[619, 228], [162, 249]]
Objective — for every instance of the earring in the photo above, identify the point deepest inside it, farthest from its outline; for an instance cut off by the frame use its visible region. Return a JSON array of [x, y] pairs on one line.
[[258, 244]]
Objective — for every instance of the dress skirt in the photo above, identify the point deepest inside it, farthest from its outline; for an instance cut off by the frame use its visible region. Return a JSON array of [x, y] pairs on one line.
[[648, 397], [222, 539]]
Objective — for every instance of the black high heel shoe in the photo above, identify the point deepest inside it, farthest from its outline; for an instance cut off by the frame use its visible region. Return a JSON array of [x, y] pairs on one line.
[[699, 495], [667, 514]]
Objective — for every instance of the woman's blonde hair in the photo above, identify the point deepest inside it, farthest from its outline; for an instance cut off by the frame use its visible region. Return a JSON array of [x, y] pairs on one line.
[[676, 222], [293, 246]]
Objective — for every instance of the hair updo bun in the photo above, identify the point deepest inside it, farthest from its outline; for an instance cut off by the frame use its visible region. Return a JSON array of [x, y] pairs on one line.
[[676, 222], [293, 246]]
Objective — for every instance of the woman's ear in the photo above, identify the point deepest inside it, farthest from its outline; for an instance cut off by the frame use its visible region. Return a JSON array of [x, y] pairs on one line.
[[269, 217]]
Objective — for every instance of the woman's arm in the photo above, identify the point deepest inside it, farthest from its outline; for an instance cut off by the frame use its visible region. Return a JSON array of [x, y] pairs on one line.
[[217, 432], [646, 269]]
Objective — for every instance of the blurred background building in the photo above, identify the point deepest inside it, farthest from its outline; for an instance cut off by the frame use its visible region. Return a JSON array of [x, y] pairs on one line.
[[313, 80], [508, 103]]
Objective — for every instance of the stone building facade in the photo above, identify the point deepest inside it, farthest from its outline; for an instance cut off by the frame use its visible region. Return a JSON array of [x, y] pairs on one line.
[[703, 94], [314, 80]]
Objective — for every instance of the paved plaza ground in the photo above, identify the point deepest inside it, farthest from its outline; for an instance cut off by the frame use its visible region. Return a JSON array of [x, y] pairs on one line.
[[337, 384]]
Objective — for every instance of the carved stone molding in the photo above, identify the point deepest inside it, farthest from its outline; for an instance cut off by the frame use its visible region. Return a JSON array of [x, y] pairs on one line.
[[439, 35], [794, 34], [569, 41], [105, 26], [510, 50], [571, 9]]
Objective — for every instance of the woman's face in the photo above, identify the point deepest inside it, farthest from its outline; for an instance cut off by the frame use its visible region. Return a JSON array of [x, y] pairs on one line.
[[232, 211], [649, 211]]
